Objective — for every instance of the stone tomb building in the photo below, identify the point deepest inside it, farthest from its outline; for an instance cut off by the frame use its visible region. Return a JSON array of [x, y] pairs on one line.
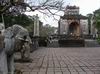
[[73, 23]]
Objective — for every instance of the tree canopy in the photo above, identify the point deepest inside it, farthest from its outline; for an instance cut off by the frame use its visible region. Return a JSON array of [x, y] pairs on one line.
[[47, 30], [97, 18], [20, 19]]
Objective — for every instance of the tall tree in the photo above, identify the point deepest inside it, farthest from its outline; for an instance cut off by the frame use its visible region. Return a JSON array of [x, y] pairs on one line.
[[17, 7], [97, 19], [97, 22]]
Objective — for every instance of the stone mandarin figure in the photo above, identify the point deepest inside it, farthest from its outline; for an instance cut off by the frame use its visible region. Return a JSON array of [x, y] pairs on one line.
[[3, 58], [9, 49]]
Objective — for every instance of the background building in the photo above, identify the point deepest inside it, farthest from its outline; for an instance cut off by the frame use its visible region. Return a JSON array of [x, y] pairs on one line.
[[72, 22]]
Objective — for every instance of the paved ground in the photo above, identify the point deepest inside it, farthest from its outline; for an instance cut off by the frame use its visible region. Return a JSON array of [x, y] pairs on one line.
[[63, 61]]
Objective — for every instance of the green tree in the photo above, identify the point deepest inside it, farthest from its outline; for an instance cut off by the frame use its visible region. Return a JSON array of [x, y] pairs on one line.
[[97, 22], [97, 18], [20, 19], [47, 30]]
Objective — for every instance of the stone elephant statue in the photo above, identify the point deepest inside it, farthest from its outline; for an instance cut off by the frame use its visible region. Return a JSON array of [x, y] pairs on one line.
[[14, 42]]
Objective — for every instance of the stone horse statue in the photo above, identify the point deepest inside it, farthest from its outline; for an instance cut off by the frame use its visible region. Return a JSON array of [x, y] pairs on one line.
[[14, 42]]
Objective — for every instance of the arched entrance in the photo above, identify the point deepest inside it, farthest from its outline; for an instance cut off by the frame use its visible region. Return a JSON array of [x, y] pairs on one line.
[[74, 29]]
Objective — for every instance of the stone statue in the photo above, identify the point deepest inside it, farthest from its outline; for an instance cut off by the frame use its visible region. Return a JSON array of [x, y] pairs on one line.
[[22, 41], [3, 58], [12, 35], [9, 49]]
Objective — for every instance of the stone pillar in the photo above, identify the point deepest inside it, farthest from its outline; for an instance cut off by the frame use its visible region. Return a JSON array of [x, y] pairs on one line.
[[36, 26]]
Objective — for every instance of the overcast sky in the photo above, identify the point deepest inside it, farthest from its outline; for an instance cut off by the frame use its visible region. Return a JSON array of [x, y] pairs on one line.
[[86, 6]]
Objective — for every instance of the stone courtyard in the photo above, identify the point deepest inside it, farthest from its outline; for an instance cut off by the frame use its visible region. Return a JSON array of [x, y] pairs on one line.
[[77, 60]]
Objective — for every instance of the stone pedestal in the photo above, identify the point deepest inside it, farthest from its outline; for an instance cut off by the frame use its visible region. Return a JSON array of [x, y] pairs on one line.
[[71, 43]]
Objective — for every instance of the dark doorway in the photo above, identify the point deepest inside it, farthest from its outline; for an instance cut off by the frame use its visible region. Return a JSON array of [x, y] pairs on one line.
[[74, 29]]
